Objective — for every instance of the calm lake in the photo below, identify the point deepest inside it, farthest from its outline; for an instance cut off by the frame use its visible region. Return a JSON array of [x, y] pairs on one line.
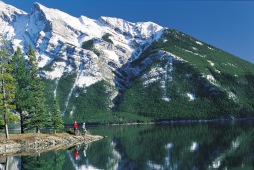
[[212, 145]]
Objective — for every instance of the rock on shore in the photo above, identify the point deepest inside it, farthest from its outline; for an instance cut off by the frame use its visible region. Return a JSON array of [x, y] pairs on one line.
[[25, 144]]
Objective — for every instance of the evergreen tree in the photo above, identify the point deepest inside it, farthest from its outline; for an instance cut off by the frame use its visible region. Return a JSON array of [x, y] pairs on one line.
[[37, 117], [57, 121], [22, 93], [7, 87]]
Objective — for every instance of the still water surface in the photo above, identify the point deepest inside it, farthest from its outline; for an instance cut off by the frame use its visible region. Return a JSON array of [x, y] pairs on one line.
[[195, 146]]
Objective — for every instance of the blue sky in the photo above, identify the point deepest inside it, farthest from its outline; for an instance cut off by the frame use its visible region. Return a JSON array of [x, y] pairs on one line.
[[228, 25]]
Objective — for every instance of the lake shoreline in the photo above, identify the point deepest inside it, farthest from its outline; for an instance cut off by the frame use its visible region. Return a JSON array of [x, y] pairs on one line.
[[203, 120], [34, 143], [170, 121]]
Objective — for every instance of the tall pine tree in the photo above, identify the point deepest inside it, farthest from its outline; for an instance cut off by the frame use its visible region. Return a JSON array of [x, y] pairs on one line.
[[7, 87], [22, 93], [57, 121], [37, 118]]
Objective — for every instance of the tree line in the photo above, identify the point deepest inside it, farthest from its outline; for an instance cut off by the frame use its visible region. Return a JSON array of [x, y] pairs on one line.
[[22, 92]]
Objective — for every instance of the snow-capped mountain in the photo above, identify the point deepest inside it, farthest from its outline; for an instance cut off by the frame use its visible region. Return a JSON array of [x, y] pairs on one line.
[[57, 35], [92, 66]]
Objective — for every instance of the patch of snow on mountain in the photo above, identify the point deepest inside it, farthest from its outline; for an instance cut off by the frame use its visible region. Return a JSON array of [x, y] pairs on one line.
[[58, 17], [199, 43], [211, 79], [218, 71], [168, 77], [152, 76], [191, 96], [165, 98], [7, 29], [112, 55], [147, 82], [147, 29], [59, 69], [16, 43], [57, 82], [9, 13], [86, 81], [160, 73], [143, 30], [188, 51], [159, 34], [43, 60], [210, 48], [210, 62], [70, 94], [231, 95], [230, 64], [91, 29], [194, 48], [126, 44]]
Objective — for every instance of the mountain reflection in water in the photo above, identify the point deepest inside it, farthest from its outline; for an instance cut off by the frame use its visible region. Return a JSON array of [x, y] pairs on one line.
[[214, 145]]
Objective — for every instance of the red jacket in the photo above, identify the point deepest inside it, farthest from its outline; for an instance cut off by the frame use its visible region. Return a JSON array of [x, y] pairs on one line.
[[75, 126], [76, 155]]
